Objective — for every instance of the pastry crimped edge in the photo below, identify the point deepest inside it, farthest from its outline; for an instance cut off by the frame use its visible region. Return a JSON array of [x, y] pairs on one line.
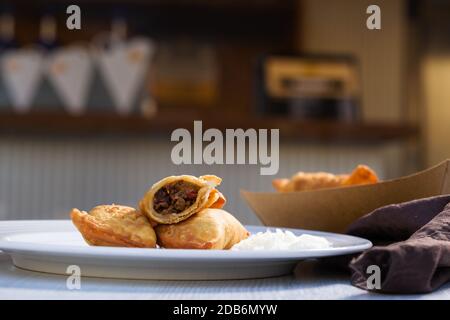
[[207, 197], [96, 233]]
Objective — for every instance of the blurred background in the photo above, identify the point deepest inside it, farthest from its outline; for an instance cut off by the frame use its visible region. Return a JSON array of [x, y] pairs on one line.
[[86, 115]]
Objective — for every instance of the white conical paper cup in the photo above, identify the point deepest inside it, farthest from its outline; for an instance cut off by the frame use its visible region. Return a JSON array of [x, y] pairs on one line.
[[124, 68], [70, 72], [21, 71]]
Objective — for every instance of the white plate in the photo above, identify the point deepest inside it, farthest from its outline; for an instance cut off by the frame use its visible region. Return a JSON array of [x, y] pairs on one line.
[[53, 245]]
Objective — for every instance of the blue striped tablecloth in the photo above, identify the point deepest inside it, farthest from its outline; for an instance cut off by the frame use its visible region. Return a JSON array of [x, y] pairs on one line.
[[308, 282]]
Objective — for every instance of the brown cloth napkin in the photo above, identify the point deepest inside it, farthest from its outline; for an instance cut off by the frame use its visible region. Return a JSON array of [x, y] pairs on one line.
[[417, 260]]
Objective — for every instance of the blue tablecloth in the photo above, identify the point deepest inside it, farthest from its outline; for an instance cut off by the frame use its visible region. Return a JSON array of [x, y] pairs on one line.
[[308, 282]]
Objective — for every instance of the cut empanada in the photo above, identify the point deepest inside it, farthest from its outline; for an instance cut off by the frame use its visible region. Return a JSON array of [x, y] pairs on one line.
[[208, 229], [114, 226], [176, 198]]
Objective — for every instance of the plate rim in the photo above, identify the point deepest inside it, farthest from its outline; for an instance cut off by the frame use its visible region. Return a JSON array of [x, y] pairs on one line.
[[28, 248]]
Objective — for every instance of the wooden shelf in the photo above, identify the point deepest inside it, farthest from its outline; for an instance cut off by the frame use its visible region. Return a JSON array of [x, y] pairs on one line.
[[165, 122]]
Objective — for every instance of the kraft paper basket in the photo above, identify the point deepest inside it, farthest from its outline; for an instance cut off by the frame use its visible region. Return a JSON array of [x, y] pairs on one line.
[[335, 209]]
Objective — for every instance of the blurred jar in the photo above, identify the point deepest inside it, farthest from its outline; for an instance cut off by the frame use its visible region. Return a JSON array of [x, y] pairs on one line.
[[185, 74]]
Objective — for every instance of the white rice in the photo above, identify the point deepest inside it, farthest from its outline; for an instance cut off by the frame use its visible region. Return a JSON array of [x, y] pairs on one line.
[[281, 240]]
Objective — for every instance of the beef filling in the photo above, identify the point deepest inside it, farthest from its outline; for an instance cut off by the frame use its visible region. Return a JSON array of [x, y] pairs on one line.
[[175, 197]]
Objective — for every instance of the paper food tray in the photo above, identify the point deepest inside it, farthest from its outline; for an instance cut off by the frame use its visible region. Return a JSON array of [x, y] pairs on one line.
[[334, 209]]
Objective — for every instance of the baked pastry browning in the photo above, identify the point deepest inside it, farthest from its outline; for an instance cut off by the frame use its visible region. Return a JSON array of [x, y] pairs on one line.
[[114, 226], [176, 198], [302, 181], [208, 229], [361, 175]]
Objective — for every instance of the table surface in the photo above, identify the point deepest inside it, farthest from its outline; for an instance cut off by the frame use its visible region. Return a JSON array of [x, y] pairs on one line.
[[309, 281]]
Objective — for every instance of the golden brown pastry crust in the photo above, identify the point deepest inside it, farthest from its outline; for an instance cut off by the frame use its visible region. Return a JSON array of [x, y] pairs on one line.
[[207, 197], [302, 181], [114, 226], [208, 229], [361, 175]]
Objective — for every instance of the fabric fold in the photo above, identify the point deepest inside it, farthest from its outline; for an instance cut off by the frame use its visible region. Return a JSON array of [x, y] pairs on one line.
[[417, 260]]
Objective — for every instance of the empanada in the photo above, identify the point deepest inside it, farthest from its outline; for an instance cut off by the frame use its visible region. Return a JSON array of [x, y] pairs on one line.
[[208, 229], [302, 181], [176, 198], [361, 175], [114, 226]]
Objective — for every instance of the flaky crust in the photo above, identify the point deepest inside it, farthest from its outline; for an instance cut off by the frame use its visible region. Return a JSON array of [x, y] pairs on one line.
[[302, 181], [361, 175], [114, 226], [208, 197], [208, 229]]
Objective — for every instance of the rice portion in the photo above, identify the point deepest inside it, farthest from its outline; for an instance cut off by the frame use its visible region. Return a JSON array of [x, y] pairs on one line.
[[281, 240]]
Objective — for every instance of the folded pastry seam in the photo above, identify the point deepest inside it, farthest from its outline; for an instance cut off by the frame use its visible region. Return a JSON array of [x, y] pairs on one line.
[[115, 226]]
